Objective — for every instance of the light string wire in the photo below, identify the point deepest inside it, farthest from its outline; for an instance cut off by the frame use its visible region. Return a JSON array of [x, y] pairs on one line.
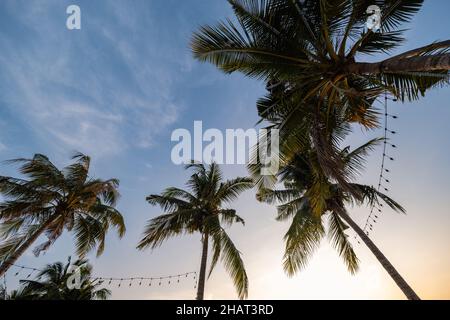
[[174, 278], [376, 207]]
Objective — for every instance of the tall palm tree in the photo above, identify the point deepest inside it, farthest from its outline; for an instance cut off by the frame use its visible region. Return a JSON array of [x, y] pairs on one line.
[[49, 201], [309, 53], [200, 210], [52, 284], [299, 201]]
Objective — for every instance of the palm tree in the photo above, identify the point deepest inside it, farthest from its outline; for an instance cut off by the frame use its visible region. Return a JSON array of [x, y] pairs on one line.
[[49, 201], [309, 198], [52, 284], [308, 52], [201, 210]]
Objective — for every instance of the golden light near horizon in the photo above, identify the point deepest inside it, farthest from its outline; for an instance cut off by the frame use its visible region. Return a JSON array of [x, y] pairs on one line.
[[186, 148]]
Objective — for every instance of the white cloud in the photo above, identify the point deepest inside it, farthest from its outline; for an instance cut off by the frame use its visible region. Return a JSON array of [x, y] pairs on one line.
[[72, 99]]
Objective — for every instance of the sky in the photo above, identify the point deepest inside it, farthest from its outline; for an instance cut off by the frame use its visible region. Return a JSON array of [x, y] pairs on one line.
[[117, 88]]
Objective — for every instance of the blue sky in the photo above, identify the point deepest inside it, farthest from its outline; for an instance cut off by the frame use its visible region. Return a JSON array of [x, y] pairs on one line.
[[118, 87]]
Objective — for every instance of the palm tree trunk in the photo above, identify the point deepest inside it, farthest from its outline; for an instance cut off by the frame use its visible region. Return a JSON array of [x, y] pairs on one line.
[[402, 284], [202, 275], [419, 63], [23, 247]]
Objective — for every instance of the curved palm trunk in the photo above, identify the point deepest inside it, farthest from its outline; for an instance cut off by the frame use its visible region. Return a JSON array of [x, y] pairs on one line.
[[22, 248], [400, 64], [202, 275], [402, 284]]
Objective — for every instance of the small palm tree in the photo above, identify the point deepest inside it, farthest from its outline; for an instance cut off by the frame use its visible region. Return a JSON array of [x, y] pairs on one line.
[[201, 210], [53, 283], [49, 201], [299, 201]]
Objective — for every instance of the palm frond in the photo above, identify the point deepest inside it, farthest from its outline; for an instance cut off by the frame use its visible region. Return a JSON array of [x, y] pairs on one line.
[[167, 202], [40, 170], [273, 196], [355, 160], [371, 196], [77, 173], [89, 233], [302, 239], [165, 226], [229, 216], [231, 189], [231, 258], [340, 241]]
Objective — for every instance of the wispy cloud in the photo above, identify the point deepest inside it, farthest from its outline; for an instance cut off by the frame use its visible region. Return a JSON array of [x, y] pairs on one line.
[[97, 90]]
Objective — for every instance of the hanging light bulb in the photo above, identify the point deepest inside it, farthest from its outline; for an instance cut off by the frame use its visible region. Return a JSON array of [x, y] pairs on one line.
[[19, 271]]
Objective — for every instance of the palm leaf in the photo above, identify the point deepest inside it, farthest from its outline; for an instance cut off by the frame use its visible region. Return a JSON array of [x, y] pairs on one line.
[[302, 239], [340, 241]]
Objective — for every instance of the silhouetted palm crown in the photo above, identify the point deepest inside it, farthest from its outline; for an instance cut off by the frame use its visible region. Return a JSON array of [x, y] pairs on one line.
[[201, 210], [49, 201], [309, 199], [310, 49]]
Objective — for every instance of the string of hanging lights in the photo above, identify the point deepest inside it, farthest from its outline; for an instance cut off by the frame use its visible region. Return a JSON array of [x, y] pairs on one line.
[[119, 282], [376, 208], [20, 269], [149, 281]]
